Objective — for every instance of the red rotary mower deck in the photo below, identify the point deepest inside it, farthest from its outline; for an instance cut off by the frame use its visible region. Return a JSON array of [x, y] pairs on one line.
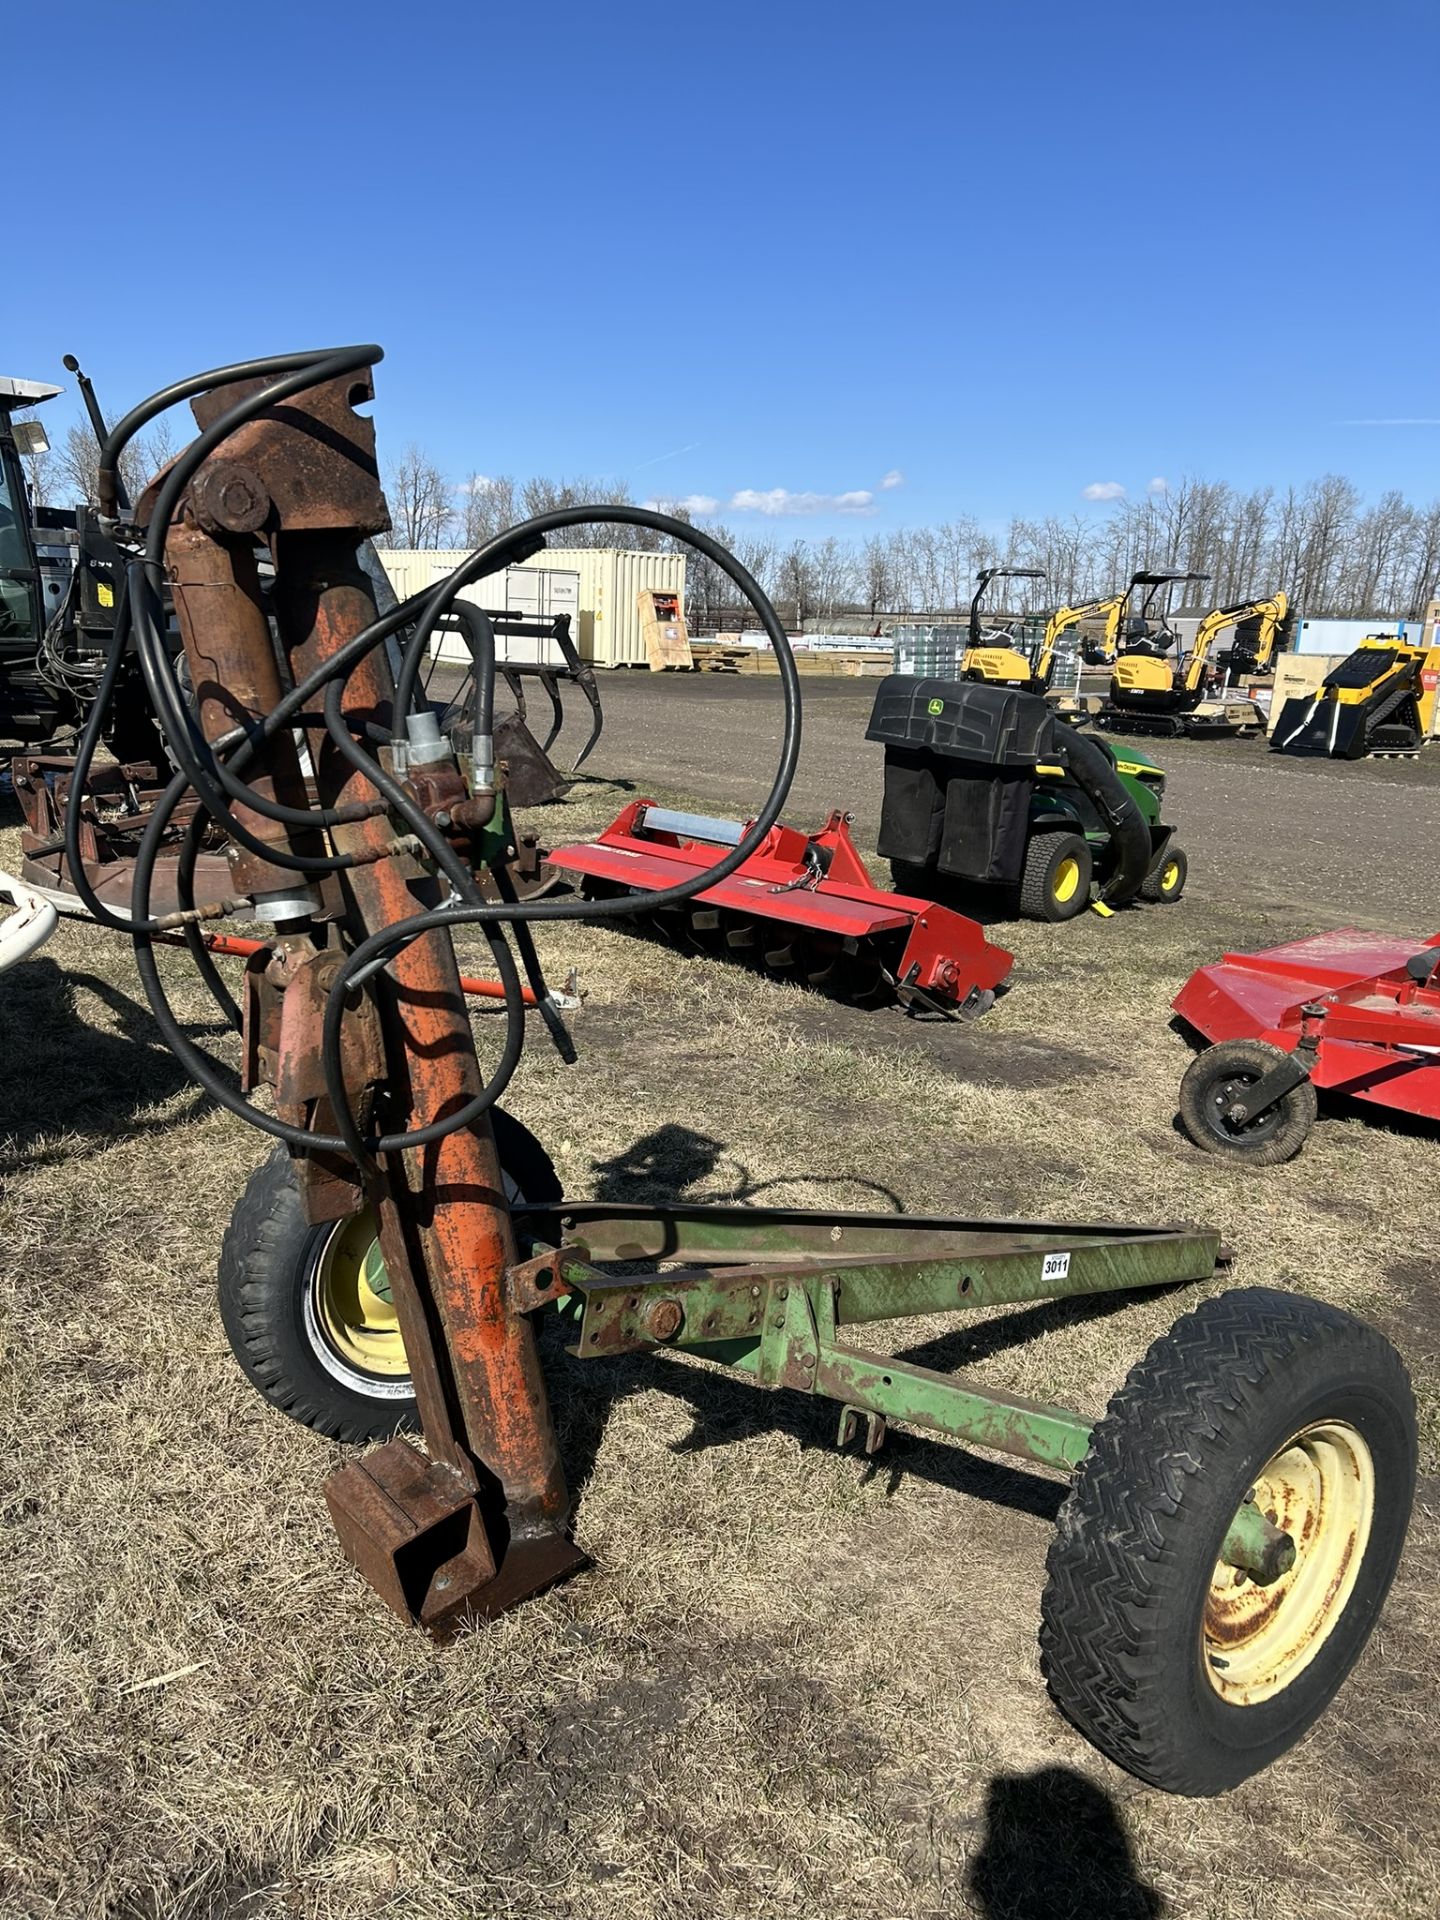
[[802, 903], [1376, 1028]]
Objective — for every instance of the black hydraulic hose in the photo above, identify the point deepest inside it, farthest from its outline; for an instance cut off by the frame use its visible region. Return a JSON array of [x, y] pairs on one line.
[[199, 1066], [467, 913], [189, 748], [469, 909], [403, 803], [534, 973], [185, 899], [1094, 772], [478, 633], [80, 774], [212, 1078]]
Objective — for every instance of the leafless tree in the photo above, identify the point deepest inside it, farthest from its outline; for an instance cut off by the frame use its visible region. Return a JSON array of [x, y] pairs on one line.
[[487, 507], [42, 473], [795, 582], [76, 471], [421, 512], [1349, 559]]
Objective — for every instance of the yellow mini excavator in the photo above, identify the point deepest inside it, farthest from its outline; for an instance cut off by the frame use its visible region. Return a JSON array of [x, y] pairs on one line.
[[1151, 694], [994, 658], [1004, 665], [1379, 700]]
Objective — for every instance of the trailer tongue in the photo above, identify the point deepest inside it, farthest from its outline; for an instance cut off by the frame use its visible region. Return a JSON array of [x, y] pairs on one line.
[[802, 905]]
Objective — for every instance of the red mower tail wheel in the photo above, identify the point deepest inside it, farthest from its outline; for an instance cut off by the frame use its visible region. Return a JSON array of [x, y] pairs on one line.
[[1166, 1654], [1215, 1079]]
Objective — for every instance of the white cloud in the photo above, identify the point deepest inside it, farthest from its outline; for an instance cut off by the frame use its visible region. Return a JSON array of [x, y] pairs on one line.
[[477, 483], [1103, 490], [1158, 485], [699, 505], [775, 501], [893, 479]]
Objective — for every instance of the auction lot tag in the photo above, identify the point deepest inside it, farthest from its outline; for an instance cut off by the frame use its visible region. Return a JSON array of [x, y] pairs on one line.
[[1056, 1266]]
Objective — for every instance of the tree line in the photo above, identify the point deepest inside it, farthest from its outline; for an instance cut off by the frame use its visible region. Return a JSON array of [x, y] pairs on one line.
[[1329, 550]]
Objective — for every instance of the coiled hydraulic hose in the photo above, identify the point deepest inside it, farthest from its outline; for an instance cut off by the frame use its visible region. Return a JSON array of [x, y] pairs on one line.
[[213, 771]]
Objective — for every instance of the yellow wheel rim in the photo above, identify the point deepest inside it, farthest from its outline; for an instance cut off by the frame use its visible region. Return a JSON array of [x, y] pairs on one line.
[[1170, 877], [349, 1294], [1067, 878], [1320, 1489]]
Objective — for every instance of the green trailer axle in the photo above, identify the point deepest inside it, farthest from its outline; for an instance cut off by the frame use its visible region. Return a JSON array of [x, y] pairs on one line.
[[775, 1294]]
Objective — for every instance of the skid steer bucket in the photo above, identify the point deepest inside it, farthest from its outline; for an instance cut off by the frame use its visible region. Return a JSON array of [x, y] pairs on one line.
[[803, 906]]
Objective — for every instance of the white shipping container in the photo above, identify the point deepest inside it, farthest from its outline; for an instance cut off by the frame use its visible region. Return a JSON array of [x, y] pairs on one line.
[[535, 593], [605, 623]]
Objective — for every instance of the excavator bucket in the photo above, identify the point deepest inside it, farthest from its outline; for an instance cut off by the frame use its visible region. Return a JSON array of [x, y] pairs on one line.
[[802, 907]]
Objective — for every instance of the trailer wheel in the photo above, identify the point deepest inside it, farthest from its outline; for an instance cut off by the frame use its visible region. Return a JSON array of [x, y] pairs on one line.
[[1166, 881], [1056, 881], [1212, 1081], [1188, 1674], [307, 1309]]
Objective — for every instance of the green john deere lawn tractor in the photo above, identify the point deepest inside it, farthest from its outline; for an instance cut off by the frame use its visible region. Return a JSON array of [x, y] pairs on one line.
[[988, 788]]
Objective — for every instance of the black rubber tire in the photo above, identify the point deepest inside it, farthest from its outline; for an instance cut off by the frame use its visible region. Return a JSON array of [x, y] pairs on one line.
[[1154, 887], [1268, 1140], [1129, 1570], [1043, 857], [266, 1258]]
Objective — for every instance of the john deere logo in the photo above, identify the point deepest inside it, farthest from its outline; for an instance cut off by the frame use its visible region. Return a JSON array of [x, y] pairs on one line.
[[936, 706]]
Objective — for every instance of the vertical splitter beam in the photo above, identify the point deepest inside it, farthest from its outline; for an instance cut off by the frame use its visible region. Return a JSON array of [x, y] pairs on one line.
[[482, 1523]]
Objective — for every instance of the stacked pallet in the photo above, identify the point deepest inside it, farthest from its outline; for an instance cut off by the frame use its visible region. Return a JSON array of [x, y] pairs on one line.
[[717, 656], [712, 656]]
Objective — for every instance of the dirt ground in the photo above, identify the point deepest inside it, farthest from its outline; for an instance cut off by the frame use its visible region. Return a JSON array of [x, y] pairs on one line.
[[795, 1682]]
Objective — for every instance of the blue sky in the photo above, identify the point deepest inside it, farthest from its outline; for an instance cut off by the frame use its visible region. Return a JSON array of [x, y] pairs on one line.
[[765, 255]]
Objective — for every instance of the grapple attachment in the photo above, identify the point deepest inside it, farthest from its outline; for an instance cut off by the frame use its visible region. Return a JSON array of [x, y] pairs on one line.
[[802, 906]]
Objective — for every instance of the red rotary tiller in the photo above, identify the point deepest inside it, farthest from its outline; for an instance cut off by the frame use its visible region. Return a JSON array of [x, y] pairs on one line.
[[801, 905]]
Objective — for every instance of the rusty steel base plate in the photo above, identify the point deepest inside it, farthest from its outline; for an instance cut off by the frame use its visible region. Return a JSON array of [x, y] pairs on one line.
[[416, 1532]]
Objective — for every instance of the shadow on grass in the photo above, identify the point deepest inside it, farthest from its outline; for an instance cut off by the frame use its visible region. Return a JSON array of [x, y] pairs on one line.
[[728, 1409], [667, 1163], [59, 1074], [1054, 1849]]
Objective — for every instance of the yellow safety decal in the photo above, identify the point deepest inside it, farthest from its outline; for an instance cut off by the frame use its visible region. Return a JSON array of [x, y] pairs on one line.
[[104, 596]]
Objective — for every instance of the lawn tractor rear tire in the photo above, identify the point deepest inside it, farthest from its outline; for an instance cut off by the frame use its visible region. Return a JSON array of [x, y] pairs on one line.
[[1181, 1672], [1271, 1137], [1166, 881], [298, 1313], [1056, 882]]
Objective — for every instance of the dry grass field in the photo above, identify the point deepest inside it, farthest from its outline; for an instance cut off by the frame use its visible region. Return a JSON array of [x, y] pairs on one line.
[[795, 1682]]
